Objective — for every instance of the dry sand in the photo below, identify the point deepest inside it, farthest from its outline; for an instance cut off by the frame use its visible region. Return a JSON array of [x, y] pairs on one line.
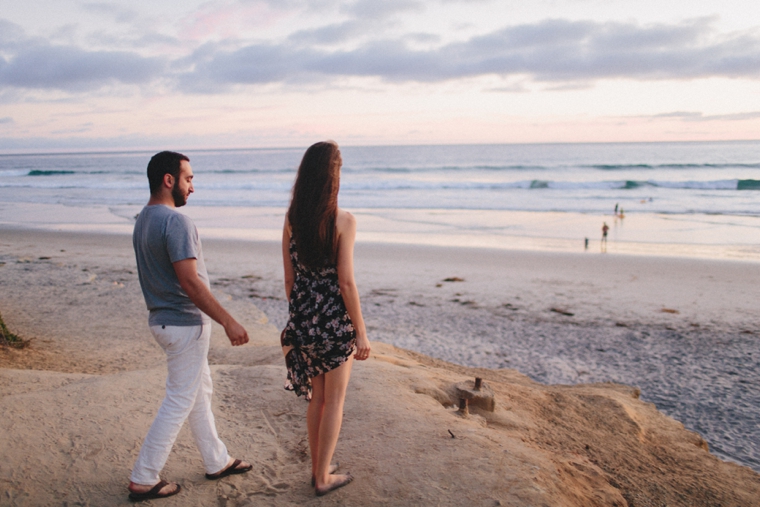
[[78, 402]]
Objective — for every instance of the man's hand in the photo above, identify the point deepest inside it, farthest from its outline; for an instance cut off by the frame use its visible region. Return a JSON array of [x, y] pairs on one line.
[[200, 295], [236, 333]]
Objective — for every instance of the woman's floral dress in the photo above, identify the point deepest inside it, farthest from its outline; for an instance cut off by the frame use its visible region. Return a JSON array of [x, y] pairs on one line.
[[319, 328]]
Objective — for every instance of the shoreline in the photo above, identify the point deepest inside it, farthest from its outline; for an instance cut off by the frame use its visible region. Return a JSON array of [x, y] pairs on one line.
[[639, 235]]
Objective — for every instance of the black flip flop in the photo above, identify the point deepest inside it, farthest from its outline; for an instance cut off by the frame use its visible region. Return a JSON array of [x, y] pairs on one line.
[[154, 493], [230, 470], [322, 492], [331, 470]]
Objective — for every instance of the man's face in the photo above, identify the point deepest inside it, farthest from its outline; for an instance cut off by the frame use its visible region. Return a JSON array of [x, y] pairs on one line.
[[183, 185]]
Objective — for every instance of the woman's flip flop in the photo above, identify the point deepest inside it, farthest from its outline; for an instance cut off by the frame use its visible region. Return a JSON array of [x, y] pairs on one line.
[[335, 485]]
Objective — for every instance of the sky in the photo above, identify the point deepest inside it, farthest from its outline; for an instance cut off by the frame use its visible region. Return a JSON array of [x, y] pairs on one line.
[[171, 74]]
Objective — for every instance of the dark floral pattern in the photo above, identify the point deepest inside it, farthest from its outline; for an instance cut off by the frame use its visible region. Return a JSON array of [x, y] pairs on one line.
[[319, 328]]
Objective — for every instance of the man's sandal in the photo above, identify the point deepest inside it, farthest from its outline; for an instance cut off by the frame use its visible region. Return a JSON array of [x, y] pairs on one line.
[[154, 492], [233, 469]]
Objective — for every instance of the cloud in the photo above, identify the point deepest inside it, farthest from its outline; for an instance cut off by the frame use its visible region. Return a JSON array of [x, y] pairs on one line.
[[560, 54], [6, 119], [751, 115], [681, 115], [366, 17], [34, 63], [227, 20], [330, 34], [117, 13], [149, 40], [376, 10], [73, 69], [423, 38], [258, 64], [11, 35], [700, 117], [511, 88], [552, 51]]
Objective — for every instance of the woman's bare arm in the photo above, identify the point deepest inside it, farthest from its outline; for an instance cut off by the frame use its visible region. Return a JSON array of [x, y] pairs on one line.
[[346, 230], [290, 275]]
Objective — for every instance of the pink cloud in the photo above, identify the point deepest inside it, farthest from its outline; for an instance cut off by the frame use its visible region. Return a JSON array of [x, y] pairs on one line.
[[228, 20]]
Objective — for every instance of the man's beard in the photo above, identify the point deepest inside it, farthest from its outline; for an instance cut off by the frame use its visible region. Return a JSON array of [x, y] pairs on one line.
[[179, 199]]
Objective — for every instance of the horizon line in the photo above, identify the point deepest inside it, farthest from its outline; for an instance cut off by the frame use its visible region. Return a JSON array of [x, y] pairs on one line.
[[125, 151]]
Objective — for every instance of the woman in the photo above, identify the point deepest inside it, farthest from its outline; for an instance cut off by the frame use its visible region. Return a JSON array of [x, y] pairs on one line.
[[325, 330]]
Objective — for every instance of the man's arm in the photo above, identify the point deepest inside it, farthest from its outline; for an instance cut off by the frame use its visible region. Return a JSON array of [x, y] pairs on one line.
[[200, 295]]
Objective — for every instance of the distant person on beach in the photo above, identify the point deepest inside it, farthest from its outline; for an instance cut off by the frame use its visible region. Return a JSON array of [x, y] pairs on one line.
[[175, 285], [325, 330], [605, 229]]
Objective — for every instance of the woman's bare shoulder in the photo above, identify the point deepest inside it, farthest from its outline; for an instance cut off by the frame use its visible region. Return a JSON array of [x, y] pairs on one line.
[[286, 225], [344, 221]]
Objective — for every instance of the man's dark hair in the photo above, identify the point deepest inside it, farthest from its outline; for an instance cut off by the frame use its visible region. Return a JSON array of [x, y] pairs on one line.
[[166, 162]]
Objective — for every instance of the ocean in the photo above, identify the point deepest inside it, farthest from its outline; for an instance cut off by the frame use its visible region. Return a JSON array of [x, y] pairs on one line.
[[673, 178], [677, 198]]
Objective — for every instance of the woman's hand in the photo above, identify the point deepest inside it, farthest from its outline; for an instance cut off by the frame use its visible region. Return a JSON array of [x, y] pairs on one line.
[[362, 348]]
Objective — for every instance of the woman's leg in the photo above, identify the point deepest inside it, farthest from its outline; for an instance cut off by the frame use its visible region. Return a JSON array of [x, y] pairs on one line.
[[314, 417], [333, 394]]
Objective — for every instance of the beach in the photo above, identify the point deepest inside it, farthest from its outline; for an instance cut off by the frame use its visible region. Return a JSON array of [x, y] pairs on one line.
[[575, 346], [554, 215]]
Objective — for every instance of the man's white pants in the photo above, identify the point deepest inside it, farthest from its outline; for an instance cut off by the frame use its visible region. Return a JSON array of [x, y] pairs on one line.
[[188, 396]]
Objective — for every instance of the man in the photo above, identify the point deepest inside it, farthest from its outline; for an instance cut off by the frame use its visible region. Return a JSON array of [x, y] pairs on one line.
[[175, 285]]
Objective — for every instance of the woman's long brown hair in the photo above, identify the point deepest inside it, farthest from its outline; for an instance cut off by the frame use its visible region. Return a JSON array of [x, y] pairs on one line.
[[314, 205]]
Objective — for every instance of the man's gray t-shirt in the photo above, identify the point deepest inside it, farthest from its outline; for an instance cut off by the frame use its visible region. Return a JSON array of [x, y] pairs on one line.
[[161, 237]]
